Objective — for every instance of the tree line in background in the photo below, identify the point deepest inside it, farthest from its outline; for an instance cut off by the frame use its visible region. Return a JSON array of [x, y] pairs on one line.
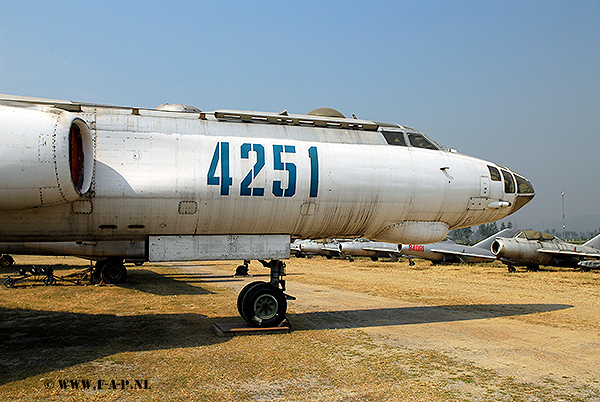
[[473, 235]]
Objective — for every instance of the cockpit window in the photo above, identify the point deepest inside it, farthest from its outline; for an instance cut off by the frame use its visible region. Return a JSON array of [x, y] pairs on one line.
[[394, 138], [415, 140], [418, 141], [494, 173], [509, 182], [535, 235], [523, 185]]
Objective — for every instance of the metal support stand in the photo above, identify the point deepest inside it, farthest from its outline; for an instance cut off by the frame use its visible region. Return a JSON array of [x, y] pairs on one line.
[[277, 268]]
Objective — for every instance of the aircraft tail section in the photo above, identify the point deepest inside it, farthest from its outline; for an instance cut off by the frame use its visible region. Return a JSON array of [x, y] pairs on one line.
[[487, 243], [593, 242]]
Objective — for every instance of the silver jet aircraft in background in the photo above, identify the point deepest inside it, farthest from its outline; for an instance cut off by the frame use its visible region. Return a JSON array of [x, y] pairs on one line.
[[116, 184], [449, 251], [308, 248], [372, 249], [531, 248]]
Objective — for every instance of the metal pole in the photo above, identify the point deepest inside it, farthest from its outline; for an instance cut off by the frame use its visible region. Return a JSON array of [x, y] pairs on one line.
[[563, 211]]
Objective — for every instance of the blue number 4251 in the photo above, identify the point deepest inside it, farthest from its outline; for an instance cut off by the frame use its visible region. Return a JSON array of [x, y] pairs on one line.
[[220, 159]]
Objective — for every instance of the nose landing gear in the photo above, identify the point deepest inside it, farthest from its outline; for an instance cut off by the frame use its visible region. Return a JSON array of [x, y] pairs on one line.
[[263, 304]]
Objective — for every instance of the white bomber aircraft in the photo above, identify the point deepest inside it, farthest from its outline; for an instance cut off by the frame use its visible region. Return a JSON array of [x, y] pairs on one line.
[[115, 184]]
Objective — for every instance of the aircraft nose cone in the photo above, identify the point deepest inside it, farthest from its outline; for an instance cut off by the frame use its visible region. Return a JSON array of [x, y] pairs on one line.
[[521, 201], [525, 193]]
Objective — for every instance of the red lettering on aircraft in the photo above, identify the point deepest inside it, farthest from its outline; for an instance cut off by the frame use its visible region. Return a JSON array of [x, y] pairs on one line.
[[416, 247]]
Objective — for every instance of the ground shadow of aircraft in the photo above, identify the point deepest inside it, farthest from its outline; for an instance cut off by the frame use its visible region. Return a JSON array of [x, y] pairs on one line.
[[415, 315], [36, 341], [148, 281], [144, 280]]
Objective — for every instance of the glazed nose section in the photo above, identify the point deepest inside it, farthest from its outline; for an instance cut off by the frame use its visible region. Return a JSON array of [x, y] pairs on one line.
[[525, 193]]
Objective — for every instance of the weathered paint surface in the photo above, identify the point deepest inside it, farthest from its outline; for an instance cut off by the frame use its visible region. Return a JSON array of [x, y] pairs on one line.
[[523, 249], [161, 173]]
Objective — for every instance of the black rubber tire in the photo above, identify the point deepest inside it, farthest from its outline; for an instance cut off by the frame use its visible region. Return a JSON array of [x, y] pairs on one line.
[[96, 274], [241, 270], [264, 306], [243, 293], [114, 272], [6, 261], [9, 283]]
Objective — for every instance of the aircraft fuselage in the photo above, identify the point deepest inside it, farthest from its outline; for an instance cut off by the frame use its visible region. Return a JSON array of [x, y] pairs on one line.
[[128, 174], [177, 184]]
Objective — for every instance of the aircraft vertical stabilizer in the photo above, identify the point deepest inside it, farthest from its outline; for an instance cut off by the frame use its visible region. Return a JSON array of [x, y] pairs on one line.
[[593, 242], [487, 243]]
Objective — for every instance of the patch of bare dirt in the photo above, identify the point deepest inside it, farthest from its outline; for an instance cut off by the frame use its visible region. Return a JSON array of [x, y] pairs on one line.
[[537, 328]]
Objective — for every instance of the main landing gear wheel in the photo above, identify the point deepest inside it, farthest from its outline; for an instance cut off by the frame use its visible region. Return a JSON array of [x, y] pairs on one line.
[[114, 272], [110, 271], [242, 270], [6, 261]]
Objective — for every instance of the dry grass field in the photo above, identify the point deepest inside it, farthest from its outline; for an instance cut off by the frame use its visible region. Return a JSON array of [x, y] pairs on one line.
[[362, 331]]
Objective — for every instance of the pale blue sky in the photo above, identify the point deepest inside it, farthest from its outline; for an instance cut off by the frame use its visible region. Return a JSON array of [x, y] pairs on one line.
[[515, 82]]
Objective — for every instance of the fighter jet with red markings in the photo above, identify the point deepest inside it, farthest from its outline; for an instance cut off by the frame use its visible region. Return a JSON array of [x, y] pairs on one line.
[[531, 248], [448, 251]]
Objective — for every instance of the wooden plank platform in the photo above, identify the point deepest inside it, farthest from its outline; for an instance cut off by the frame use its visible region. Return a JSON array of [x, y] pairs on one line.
[[241, 328]]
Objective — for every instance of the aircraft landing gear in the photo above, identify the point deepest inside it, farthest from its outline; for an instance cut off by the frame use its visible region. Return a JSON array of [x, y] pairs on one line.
[[110, 271], [264, 304], [6, 261], [242, 270]]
